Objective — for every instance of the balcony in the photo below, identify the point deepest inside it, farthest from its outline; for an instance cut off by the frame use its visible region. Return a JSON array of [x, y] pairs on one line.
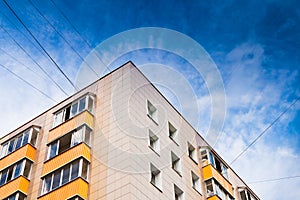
[[19, 184], [214, 197], [80, 150], [76, 187], [210, 172], [27, 151], [84, 117]]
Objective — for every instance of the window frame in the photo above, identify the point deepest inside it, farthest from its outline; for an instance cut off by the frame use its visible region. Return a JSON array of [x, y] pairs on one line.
[[156, 177], [152, 112], [176, 163], [192, 153], [153, 142]]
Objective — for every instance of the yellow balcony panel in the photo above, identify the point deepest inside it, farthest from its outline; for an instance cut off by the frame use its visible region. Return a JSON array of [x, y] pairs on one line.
[[76, 187], [215, 197], [27, 151], [80, 150], [84, 117], [19, 184], [210, 172]]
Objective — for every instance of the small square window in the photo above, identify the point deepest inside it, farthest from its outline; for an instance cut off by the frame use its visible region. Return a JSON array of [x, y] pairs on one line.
[[156, 178], [196, 182], [178, 193], [154, 142], [192, 152], [172, 132], [152, 111], [176, 164]]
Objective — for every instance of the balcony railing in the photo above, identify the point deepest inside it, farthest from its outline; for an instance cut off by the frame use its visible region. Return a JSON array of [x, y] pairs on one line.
[[18, 184], [80, 150], [210, 172], [76, 187], [84, 117], [27, 151]]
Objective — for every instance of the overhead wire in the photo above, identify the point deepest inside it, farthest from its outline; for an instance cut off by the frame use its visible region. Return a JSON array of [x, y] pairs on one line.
[[60, 34], [274, 179], [28, 83], [40, 45], [265, 130], [76, 30], [35, 62]]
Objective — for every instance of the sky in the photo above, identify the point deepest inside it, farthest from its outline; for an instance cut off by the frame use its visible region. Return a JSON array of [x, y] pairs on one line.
[[251, 47]]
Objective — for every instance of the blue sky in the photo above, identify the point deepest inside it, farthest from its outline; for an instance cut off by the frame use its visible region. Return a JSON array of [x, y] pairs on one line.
[[254, 44]]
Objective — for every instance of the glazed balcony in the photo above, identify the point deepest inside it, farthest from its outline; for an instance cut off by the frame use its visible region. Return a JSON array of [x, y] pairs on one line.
[[19, 184], [83, 118], [27, 151], [210, 172], [80, 150], [77, 187]]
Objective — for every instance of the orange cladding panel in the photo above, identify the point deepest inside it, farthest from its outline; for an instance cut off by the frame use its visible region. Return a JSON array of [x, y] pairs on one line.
[[210, 172], [215, 197], [80, 150], [19, 184], [76, 187], [27, 151], [84, 117]]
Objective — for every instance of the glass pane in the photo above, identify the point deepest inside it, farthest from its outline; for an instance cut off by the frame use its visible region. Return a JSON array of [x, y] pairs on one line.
[[47, 184], [4, 150], [27, 169], [18, 169], [53, 150], [3, 177], [13, 197], [19, 142], [84, 170], [56, 180], [77, 136], [34, 137], [25, 138], [75, 170], [90, 104], [58, 118], [66, 175], [11, 146], [87, 136], [82, 104], [74, 109]]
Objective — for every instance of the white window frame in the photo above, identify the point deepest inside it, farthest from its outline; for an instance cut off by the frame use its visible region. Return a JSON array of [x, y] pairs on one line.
[[196, 184]]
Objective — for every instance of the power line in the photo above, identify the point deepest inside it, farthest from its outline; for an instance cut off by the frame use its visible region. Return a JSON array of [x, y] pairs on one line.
[[76, 30], [274, 179], [41, 14], [28, 83], [20, 46], [40, 45], [265, 130]]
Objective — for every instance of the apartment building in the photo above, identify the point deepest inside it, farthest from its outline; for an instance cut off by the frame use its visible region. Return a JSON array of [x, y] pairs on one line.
[[118, 138]]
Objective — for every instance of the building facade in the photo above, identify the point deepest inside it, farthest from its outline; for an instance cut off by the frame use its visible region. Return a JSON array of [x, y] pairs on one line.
[[118, 138]]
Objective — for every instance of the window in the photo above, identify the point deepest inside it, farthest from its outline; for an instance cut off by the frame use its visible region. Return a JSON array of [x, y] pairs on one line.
[[78, 106], [192, 152], [178, 193], [67, 173], [14, 171], [196, 182], [210, 158], [246, 195], [214, 188], [152, 111], [154, 142], [172, 132], [176, 164], [156, 178], [81, 134], [19, 141], [16, 196]]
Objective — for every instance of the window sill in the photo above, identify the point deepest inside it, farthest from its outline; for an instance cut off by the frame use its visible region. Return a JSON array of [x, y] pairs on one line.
[[177, 172], [154, 150], [156, 187], [155, 121], [193, 160], [197, 191], [174, 140]]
